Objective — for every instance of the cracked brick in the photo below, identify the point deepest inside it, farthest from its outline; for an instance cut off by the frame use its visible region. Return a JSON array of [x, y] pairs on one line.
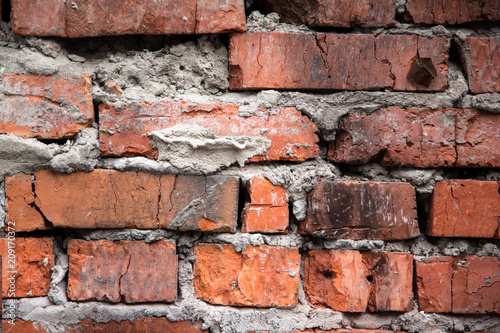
[[336, 13], [468, 284], [481, 61], [45, 107], [91, 18], [124, 132], [31, 266], [420, 138], [452, 11], [259, 276], [353, 281], [465, 208], [267, 211], [298, 61], [361, 210], [109, 199], [124, 271]]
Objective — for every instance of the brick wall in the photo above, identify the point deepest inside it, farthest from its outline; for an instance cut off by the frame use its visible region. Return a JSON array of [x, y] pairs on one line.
[[259, 166]]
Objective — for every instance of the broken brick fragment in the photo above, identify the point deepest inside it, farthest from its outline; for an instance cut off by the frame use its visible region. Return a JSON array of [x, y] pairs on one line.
[[32, 266], [127, 271], [336, 13], [468, 284], [368, 63], [361, 210], [267, 211], [259, 276], [45, 107], [126, 131], [138, 200], [481, 61], [452, 11], [353, 281], [420, 138], [465, 208], [91, 18]]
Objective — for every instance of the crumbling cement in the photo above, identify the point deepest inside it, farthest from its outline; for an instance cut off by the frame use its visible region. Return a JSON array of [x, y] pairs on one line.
[[195, 148]]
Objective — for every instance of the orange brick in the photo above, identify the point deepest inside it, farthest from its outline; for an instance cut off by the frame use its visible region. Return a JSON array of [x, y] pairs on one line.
[[452, 11], [361, 210], [469, 284], [336, 13], [333, 61], [481, 61], [260, 276], [419, 137], [125, 132], [30, 262], [465, 208], [267, 210], [352, 281], [46, 107], [127, 271], [110, 199], [90, 18]]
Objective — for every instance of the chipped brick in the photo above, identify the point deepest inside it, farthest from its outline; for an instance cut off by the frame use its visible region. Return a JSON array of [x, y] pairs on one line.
[[452, 11], [361, 210], [128, 271], [260, 276], [465, 208], [45, 107], [352, 281], [322, 61]]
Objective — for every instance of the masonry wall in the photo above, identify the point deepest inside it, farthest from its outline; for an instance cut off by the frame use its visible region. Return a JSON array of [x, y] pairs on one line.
[[258, 166]]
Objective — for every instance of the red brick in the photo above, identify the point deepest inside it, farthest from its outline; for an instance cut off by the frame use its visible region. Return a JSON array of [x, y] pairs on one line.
[[465, 208], [267, 210], [334, 61], [30, 260], [481, 62], [361, 210], [140, 325], [21, 210], [336, 13], [90, 18], [260, 276], [452, 11], [419, 137], [352, 281], [45, 107], [124, 271], [111, 199], [124, 132], [469, 284]]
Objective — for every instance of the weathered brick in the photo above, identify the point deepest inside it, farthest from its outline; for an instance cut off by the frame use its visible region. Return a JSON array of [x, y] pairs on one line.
[[128, 271], [419, 137], [267, 210], [336, 13], [452, 11], [469, 284], [334, 61], [124, 132], [21, 210], [361, 210], [90, 18], [353, 281], [45, 107], [260, 276], [465, 208], [140, 325], [30, 261], [111, 199], [481, 61]]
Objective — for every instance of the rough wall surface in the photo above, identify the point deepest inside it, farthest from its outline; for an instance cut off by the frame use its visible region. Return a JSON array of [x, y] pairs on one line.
[[207, 166]]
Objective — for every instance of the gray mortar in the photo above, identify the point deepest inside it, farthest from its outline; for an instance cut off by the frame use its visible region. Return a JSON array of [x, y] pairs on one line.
[[80, 154], [3, 207]]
